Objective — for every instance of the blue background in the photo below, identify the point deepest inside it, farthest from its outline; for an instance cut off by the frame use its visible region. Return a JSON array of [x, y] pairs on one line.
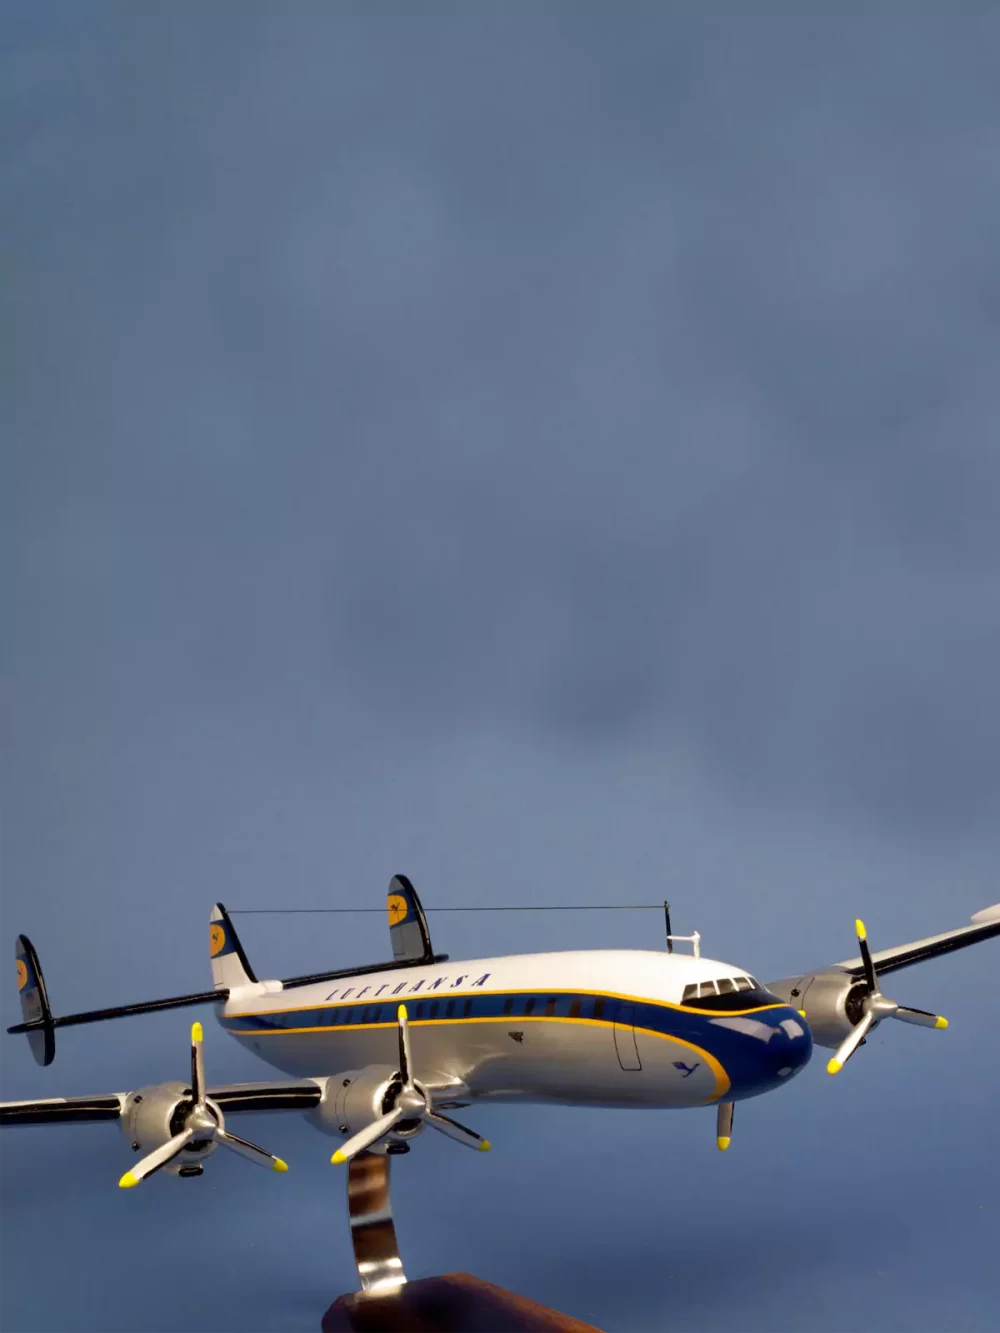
[[552, 453]]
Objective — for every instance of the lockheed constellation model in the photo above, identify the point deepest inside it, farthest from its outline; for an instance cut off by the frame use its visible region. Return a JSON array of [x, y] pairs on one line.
[[378, 1053]]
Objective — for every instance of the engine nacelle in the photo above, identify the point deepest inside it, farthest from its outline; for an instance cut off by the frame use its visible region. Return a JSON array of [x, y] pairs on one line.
[[351, 1101], [155, 1114], [832, 1001]]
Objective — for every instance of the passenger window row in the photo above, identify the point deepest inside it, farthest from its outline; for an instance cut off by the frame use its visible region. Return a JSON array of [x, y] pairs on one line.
[[434, 1009], [513, 1006], [386, 1013]]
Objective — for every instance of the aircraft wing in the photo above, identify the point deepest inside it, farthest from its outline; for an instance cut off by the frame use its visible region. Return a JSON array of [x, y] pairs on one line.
[[843, 1000], [300, 1095], [984, 926]]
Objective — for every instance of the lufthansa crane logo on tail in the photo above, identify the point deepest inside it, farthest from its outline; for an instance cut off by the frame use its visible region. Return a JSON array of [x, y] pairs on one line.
[[398, 908], [216, 939], [22, 974]]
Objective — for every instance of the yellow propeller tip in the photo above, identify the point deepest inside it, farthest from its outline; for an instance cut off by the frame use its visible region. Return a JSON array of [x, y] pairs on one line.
[[859, 926], [723, 1143], [279, 1165], [338, 1158], [401, 1011], [802, 1012], [128, 1180], [197, 1032], [941, 1022], [834, 1067], [484, 1145]]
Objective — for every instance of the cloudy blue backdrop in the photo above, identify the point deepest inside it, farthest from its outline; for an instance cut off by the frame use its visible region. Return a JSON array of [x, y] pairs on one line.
[[554, 452]]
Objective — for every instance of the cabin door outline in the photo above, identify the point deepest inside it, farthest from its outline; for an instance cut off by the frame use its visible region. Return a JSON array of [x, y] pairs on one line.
[[625, 1043]]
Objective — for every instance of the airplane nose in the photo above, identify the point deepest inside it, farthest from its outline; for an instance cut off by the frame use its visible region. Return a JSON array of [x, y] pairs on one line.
[[764, 1049], [791, 1054]]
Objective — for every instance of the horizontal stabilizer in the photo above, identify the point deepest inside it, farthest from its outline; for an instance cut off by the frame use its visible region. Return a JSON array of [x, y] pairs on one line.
[[122, 1011], [231, 971]]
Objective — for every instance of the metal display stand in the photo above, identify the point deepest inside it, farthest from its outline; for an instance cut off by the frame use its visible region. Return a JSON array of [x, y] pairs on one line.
[[388, 1303], [373, 1232]]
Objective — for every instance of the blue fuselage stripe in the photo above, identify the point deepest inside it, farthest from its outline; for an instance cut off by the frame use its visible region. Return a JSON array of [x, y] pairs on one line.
[[751, 1044]]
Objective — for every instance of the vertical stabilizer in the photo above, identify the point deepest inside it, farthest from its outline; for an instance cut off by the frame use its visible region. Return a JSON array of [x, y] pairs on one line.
[[34, 1002], [411, 940], [230, 968]]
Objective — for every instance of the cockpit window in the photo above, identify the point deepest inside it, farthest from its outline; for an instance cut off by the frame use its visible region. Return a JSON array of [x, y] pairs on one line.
[[727, 993]]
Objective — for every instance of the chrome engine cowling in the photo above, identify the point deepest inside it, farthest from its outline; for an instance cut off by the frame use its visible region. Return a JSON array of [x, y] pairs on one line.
[[831, 1000], [353, 1100], [153, 1115]]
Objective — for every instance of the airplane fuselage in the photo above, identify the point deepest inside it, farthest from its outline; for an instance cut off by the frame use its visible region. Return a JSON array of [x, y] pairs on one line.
[[597, 1027]]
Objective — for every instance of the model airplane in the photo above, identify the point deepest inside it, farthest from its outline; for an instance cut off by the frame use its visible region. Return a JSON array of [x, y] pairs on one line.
[[377, 1053]]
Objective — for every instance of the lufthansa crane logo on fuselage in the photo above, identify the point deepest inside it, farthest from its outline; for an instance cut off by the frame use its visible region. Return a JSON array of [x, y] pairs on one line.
[[216, 939], [22, 974], [398, 908]]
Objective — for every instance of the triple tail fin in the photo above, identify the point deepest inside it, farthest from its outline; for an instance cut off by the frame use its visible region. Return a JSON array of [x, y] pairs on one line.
[[231, 971], [411, 940], [230, 967]]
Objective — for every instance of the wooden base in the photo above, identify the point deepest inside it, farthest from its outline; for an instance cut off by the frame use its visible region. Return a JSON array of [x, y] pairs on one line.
[[454, 1303]]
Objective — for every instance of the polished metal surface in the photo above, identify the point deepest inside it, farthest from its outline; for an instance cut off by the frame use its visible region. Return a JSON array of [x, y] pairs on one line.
[[373, 1233]]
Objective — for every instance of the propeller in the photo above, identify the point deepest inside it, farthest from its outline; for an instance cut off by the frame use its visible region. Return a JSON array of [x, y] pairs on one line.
[[411, 1102], [875, 1007], [203, 1128]]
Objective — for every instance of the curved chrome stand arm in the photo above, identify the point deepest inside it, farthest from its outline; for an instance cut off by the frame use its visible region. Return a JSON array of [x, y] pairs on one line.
[[373, 1233], [453, 1303]]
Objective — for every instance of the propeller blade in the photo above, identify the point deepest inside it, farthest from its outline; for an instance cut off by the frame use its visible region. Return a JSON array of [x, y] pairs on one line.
[[404, 1044], [197, 1065], [866, 957], [724, 1125], [249, 1150], [445, 1125], [366, 1137], [850, 1045], [920, 1018], [160, 1156]]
